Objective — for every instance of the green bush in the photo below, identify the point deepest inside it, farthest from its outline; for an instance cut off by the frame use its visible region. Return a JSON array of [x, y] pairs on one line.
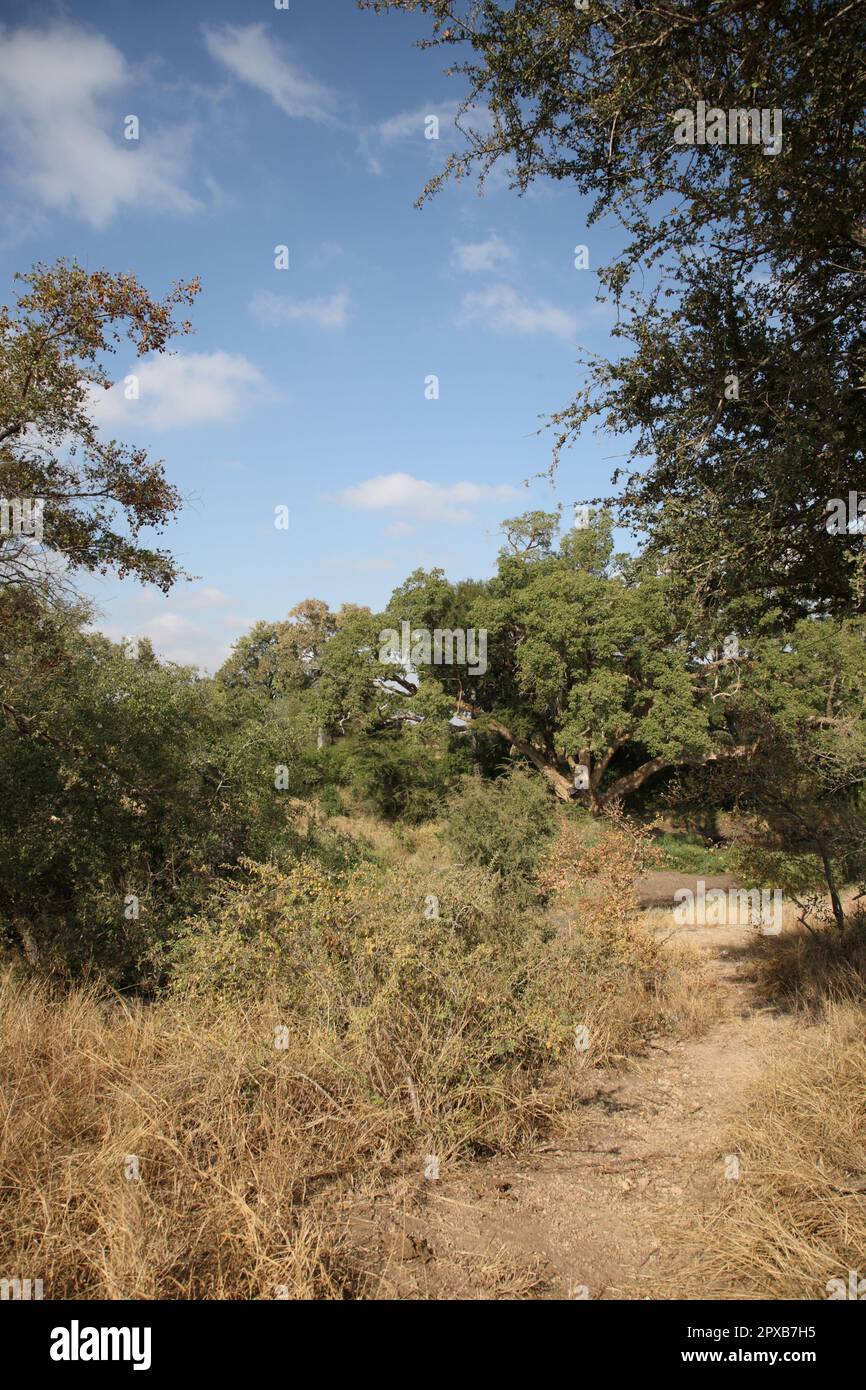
[[394, 774], [502, 824], [427, 985], [691, 854]]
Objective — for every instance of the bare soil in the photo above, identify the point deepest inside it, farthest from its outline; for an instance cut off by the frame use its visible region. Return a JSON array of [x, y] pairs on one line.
[[607, 1212]]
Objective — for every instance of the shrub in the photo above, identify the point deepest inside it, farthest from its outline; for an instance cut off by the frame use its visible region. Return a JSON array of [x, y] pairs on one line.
[[502, 824], [324, 1033], [394, 774]]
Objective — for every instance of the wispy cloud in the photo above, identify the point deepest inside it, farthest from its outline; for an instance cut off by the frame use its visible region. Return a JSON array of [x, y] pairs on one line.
[[194, 625], [274, 310], [502, 310], [404, 494], [494, 254], [62, 134], [415, 125], [254, 57], [183, 389]]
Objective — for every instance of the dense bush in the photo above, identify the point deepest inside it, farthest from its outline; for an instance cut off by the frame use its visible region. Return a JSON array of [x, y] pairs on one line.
[[432, 984], [396, 774], [502, 824], [127, 786]]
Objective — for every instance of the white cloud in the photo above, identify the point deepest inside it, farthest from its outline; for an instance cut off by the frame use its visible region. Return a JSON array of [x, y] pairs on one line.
[[401, 492], [176, 638], [257, 59], [191, 626], [186, 598], [408, 125], [493, 254], [61, 129], [207, 598], [182, 389], [502, 310], [274, 310]]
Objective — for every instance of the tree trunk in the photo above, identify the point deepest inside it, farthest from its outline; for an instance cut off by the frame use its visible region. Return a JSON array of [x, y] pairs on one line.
[[829, 876], [561, 785], [634, 780]]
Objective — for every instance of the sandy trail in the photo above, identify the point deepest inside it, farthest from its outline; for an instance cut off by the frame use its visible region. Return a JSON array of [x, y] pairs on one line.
[[602, 1213]]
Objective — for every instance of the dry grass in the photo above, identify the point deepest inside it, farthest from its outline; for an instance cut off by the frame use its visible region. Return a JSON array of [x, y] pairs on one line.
[[797, 1216], [805, 972], [237, 1145], [405, 1037], [250, 1159]]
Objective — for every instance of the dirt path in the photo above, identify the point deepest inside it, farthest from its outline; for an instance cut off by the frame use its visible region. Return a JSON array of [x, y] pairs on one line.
[[600, 1211]]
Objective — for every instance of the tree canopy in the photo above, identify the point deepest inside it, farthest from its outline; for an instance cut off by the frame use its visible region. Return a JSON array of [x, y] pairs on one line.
[[741, 287], [98, 494]]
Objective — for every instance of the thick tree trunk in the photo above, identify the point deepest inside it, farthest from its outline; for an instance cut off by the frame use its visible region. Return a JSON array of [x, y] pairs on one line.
[[632, 781], [561, 785], [598, 802]]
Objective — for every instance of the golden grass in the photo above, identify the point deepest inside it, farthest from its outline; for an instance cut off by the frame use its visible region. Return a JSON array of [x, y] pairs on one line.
[[805, 972], [796, 1218], [249, 1159], [235, 1143], [404, 1037]]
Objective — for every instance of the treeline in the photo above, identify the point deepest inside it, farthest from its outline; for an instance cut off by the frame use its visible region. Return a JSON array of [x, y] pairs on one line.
[[133, 787]]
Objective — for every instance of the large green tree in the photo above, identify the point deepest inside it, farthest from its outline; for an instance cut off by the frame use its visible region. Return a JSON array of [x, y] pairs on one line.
[[801, 702], [128, 778], [588, 663], [741, 283]]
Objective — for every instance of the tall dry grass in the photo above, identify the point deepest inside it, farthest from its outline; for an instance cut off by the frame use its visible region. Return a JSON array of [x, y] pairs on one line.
[[401, 1036], [796, 1219], [237, 1145]]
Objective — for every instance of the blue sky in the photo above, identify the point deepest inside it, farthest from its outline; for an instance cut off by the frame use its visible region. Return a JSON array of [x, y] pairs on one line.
[[304, 387]]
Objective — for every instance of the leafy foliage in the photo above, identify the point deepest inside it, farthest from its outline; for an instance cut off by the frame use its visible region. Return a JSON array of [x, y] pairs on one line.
[[735, 262], [52, 350], [501, 824]]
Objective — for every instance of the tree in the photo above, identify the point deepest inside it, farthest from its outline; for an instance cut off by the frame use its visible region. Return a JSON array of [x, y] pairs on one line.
[[98, 494], [127, 788], [742, 283], [589, 663], [275, 658], [802, 809]]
